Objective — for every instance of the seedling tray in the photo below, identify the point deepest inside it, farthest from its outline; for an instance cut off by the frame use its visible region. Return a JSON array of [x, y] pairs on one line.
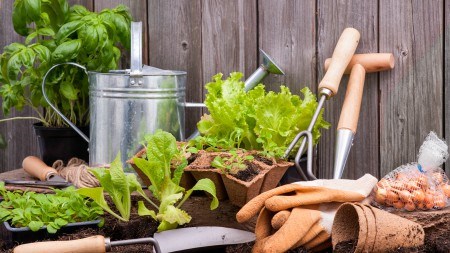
[[12, 236]]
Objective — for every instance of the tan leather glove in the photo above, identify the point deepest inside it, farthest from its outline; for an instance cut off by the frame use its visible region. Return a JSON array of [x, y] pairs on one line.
[[312, 206]]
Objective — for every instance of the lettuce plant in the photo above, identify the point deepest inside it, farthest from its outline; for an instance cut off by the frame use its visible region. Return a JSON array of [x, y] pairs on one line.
[[118, 185], [34, 210], [254, 120], [165, 184]]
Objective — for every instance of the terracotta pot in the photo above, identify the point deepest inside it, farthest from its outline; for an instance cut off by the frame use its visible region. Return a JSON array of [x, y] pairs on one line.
[[187, 180]]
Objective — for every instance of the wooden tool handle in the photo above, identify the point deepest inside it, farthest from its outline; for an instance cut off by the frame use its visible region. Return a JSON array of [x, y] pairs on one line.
[[37, 168], [345, 48], [353, 96], [371, 62], [93, 244]]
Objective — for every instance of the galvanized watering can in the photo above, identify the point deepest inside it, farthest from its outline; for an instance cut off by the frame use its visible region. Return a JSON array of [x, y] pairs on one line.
[[125, 105]]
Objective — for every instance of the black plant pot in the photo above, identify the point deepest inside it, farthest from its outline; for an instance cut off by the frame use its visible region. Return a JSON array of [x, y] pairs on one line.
[[61, 143]]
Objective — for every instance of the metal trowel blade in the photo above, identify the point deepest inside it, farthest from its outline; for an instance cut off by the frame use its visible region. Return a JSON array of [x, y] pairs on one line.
[[185, 239]]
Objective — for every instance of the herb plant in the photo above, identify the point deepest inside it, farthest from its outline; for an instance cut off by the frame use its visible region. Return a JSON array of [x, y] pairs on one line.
[[34, 210], [254, 120], [161, 151], [233, 164], [56, 34]]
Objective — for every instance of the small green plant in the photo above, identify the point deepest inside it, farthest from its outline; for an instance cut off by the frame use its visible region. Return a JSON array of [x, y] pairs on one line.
[[119, 187], [55, 33], [233, 164], [254, 120], [165, 184], [34, 210]]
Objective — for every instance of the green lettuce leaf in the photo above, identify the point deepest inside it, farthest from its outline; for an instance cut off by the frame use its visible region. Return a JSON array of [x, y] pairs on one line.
[[255, 120]]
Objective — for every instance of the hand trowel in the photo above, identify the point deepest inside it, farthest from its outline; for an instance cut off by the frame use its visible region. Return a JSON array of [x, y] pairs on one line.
[[348, 121], [175, 240]]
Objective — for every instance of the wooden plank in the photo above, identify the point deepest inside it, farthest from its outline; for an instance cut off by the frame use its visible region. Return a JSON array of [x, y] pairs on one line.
[[447, 77], [411, 102], [175, 43], [287, 32], [229, 37], [19, 134], [333, 17]]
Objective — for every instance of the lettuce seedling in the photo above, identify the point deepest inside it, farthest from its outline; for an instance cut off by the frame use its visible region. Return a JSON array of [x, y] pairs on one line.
[[34, 210], [118, 185], [161, 151], [254, 120]]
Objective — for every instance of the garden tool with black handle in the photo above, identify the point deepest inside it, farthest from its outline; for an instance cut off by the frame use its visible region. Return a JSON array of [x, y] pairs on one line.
[[348, 121], [168, 241], [328, 87], [48, 176], [268, 66]]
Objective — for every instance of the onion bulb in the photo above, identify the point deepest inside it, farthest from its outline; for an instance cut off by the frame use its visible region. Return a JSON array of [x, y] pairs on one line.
[[418, 196], [405, 195], [398, 204], [380, 196], [409, 206], [391, 196], [446, 190], [439, 201]]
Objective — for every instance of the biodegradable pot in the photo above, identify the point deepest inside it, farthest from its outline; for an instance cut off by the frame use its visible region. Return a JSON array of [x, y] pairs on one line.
[[11, 236], [274, 174], [201, 168], [374, 230], [187, 180], [61, 143], [239, 192]]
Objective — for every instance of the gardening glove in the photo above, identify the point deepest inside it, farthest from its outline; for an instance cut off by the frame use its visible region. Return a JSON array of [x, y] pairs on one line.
[[302, 212]]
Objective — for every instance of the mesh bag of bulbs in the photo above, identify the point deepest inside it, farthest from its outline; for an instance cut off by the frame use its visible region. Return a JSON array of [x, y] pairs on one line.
[[416, 186]]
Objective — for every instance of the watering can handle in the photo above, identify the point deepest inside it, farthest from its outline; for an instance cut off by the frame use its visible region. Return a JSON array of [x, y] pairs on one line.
[[54, 107]]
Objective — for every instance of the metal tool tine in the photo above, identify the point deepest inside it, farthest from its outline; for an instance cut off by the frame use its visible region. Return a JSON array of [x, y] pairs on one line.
[[309, 172], [297, 157]]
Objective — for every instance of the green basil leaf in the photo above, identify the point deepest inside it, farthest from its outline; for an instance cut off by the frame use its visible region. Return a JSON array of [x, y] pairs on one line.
[[13, 66], [30, 37], [19, 18], [90, 39], [42, 52], [68, 91], [66, 51], [122, 30], [67, 29], [13, 47], [27, 57], [33, 9], [46, 31]]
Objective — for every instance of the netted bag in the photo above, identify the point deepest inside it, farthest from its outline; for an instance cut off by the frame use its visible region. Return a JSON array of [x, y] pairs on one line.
[[417, 186]]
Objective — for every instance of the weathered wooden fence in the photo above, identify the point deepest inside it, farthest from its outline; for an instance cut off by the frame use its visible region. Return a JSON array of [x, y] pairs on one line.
[[204, 37]]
